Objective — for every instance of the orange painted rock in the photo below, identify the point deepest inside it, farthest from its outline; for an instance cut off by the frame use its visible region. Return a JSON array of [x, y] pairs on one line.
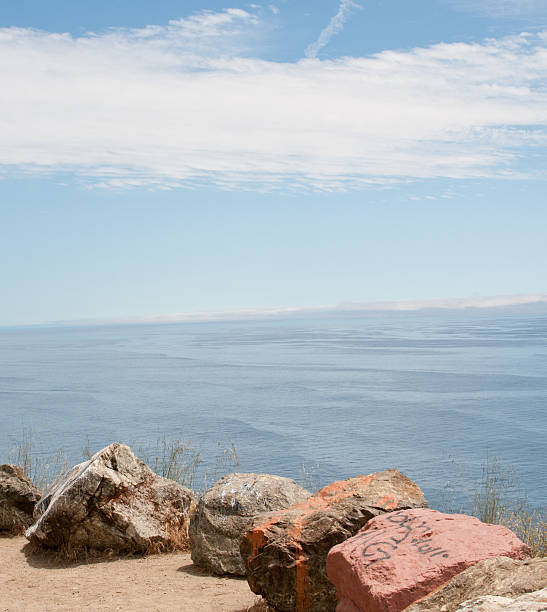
[[403, 556], [285, 552]]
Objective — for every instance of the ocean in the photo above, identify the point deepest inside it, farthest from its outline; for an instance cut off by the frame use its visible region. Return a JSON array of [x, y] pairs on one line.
[[433, 394]]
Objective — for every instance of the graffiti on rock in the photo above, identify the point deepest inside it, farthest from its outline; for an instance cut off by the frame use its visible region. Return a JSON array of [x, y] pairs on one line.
[[412, 530]]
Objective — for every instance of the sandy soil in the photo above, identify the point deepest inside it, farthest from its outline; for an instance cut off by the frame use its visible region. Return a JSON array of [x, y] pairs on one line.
[[159, 583]]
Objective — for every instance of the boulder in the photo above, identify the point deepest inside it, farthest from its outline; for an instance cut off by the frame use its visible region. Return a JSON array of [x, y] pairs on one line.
[[531, 602], [499, 576], [115, 503], [17, 499], [224, 514], [285, 552], [403, 556]]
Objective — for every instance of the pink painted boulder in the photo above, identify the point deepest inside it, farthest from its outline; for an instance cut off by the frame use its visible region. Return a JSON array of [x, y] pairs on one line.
[[403, 556]]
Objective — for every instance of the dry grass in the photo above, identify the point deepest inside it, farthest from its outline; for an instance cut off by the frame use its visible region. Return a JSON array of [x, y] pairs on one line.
[[530, 525], [171, 458], [260, 605], [495, 502], [176, 531], [179, 461], [42, 471], [174, 459], [310, 478]]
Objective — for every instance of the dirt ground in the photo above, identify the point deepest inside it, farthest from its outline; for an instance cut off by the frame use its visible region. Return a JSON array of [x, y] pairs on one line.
[[159, 583]]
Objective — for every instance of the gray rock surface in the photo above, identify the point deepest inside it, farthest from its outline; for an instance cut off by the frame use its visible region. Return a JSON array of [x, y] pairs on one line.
[[18, 497], [113, 502], [500, 576], [225, 512], [531, 602], [286, 551]]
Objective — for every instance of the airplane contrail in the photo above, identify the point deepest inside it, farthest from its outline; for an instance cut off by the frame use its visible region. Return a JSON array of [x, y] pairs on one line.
[[335, 26]]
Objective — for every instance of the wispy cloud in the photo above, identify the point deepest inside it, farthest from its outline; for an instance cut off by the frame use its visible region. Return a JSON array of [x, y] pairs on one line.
[[502, 8], [188, 103], [334, 27]]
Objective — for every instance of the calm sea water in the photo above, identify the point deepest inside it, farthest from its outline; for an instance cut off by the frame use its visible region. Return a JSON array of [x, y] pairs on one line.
[[433, 395]]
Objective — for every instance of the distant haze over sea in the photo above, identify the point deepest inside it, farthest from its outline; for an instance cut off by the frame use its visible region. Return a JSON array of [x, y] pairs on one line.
[[501, 303]]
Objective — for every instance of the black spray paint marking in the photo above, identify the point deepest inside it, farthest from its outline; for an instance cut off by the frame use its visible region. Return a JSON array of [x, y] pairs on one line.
[[377, 549]]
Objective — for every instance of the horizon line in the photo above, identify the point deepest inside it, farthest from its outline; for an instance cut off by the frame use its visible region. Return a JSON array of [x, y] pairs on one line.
[[350, 308]]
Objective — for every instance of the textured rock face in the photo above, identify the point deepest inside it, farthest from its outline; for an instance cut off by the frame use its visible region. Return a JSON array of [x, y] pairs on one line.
[[113, 502], [531, 602], [224, 514], [499, 576], [399, 558], [285, 552], [17, 499]]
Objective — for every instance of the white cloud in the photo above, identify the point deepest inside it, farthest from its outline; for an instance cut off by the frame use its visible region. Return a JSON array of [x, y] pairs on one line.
[[186, 103], [334, 27]]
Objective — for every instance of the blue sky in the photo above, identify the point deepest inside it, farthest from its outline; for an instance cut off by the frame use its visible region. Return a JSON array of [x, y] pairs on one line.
[[174, 157]]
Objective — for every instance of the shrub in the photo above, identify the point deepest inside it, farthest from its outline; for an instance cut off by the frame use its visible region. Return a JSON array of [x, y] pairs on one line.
[[494, 502]]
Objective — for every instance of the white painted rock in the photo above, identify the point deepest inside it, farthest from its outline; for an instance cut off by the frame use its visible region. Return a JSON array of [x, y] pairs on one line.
[[226, 511]]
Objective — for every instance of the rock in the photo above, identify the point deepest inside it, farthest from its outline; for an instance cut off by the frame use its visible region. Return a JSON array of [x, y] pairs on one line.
[[286, 551], [531, 602], [403, 556], [113, 502], [224, 514], [499, 576], [489, 603], [17, 499]]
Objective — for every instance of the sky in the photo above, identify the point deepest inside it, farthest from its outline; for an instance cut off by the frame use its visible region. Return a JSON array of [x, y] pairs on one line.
[[181, 157]]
